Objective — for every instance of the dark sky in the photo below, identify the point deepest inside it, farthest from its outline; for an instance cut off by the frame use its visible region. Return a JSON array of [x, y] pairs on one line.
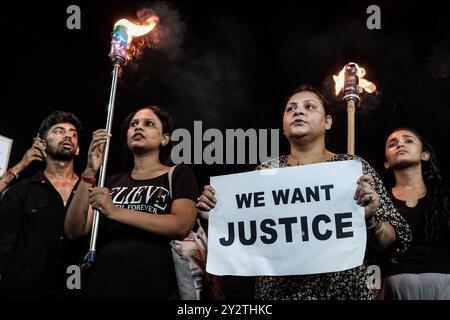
[[230, 64]]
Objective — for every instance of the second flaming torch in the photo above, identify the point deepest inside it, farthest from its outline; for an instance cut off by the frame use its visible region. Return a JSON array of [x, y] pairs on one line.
[[350, 81]]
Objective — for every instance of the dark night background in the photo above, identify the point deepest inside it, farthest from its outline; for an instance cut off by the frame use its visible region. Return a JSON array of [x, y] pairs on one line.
[[231, 65]]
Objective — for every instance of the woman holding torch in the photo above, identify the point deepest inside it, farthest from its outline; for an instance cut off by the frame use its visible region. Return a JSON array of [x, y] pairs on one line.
[[305, 122], [139, 216]]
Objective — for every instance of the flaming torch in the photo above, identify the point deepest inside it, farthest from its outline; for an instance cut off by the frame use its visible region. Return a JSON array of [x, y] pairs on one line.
[[122, 35], [351, 81]]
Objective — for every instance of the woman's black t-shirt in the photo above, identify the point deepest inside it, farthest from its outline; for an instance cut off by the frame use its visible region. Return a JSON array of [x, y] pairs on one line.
[[132, 263]]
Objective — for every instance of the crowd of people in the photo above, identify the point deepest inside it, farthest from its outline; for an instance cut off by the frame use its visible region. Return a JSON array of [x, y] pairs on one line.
[[46, 219]]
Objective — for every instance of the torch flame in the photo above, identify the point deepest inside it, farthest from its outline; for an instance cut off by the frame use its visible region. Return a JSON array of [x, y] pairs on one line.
[[135, 30], [363, 83]]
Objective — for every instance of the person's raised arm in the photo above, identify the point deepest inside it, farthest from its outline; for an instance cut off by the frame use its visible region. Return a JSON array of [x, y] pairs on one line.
[[79, 215], [35, 153]]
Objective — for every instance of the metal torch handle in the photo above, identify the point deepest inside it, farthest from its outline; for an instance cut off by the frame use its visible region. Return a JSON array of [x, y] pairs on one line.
[[102, 175]]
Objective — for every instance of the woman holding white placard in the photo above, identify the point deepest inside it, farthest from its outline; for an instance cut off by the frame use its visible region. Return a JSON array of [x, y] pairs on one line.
[[306, 120]]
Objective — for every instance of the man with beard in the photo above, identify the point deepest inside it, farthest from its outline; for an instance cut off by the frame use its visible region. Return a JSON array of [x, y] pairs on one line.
[[34, 253]]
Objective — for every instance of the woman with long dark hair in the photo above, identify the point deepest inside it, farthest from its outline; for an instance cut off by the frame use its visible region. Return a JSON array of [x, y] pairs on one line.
[[422, 197]]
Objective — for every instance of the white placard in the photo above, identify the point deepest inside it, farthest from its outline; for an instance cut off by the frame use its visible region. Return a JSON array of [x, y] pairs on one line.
[[5, 151], [287, 221]]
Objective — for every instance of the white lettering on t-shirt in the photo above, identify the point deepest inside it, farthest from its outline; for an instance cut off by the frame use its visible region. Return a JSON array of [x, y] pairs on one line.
[[136, 198], [155, 200], [149, 194], [129, 194], [115, 198]]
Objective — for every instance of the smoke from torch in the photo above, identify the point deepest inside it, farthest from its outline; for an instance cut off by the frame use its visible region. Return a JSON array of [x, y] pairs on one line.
[[351, 81]]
